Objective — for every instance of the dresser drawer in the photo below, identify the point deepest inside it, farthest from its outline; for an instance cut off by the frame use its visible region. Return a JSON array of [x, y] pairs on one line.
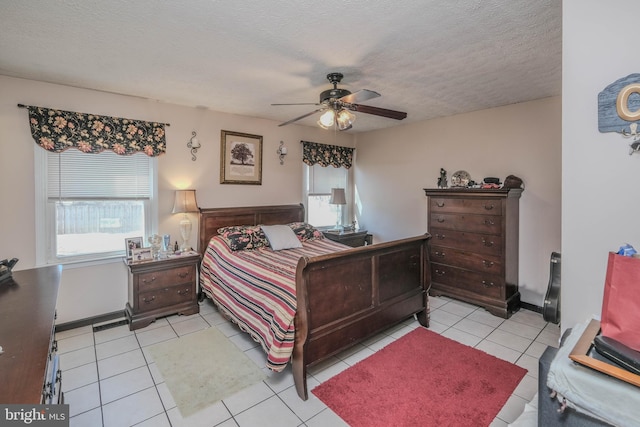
[[468, 205], [489, 224], [470, 260], [488, 285], [165, 297], [471, 242], [163, 278]]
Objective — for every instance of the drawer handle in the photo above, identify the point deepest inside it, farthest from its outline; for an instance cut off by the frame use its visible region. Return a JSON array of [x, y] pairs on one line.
[[439, 236], [489, 207], [183, 274], [147, 301], [439, 272], [487, 243], [440, 203], [439, 254], [487, 264], [487, 284], [183, 292], [489, 222], [440, 219], [149, 280]]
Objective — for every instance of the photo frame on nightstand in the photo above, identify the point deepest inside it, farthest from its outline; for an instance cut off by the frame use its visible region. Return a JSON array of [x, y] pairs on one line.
[[132, 243], [141, 254]]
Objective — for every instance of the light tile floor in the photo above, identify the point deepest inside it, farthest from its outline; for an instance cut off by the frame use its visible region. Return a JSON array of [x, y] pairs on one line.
[[109, 378]]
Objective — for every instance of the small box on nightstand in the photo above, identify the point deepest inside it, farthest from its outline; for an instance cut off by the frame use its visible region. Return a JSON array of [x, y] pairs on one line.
[[350, 238]]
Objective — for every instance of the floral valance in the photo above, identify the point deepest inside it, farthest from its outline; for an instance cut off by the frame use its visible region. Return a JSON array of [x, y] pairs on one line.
[[326, 155], [58, 130]]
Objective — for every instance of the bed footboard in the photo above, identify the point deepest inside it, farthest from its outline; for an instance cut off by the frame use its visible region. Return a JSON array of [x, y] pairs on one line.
[[346, 297]]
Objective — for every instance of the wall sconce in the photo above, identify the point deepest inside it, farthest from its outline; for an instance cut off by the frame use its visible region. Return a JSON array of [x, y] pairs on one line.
[[194, 144], [282, 151]]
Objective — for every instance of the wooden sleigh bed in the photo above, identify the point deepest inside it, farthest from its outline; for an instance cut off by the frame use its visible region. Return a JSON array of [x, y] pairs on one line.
[[343, 297]]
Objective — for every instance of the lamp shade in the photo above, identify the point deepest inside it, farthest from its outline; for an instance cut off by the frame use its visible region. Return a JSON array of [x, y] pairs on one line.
[[337, 197], [185, 201]]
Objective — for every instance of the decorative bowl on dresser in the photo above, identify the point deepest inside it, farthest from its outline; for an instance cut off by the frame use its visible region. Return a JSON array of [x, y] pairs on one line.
[[474, 246], [162, 287]]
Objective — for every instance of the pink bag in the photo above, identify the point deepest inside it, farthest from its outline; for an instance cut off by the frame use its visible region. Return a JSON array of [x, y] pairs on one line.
[[621, 303]]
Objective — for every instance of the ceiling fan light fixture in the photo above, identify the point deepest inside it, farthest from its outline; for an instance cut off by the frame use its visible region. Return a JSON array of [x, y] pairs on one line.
[[345, 119], [327, 119]]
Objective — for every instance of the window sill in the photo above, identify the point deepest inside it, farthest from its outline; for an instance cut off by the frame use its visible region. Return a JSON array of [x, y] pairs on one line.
[[70, 265]]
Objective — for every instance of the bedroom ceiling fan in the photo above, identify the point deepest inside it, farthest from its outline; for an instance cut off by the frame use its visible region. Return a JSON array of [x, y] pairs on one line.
[[337, 106]]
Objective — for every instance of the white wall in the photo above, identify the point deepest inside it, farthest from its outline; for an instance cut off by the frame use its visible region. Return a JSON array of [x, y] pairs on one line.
[[100, 289], [394, 166], [601, 181]]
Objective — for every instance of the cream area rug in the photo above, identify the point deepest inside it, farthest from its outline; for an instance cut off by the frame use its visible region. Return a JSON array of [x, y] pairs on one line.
[[203, 368]]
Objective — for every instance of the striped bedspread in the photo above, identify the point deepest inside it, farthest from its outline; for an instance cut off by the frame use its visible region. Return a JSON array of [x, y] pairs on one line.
[[256, 289]]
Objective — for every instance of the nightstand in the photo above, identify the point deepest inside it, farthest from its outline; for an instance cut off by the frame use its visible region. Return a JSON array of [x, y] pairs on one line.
[[350, 238], [160, 288]]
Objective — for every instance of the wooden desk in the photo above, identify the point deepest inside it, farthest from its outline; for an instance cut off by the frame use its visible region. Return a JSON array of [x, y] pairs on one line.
[[27, 315]]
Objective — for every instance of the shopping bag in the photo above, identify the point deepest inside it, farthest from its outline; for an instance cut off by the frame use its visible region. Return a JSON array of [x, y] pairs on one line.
[[621, 303]]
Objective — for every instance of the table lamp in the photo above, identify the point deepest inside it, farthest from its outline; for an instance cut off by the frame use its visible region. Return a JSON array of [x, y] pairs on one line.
[[184, 203], [338, 198]]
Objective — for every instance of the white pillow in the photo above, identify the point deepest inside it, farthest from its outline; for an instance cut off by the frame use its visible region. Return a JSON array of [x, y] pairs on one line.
[[281, 237]]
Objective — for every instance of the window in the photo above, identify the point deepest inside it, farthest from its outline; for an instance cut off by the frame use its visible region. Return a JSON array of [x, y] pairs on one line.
[[89, 203], [319, 182]]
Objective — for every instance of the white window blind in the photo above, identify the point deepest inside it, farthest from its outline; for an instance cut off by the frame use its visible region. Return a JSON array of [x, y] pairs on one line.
[[323, 179], [319, 182], [74, 175]]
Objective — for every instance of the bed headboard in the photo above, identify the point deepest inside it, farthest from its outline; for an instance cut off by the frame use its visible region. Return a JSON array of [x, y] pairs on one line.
[[213, 218]]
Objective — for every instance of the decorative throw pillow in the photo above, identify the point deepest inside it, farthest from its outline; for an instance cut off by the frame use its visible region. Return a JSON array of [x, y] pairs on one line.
[[305, 231], [242, 237], [281, 237]]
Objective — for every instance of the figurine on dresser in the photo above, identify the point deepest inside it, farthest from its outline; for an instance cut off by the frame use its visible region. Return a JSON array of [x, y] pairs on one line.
[[442, 181]]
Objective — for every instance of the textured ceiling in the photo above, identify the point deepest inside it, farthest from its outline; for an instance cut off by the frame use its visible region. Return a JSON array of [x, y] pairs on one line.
[[430, 58]]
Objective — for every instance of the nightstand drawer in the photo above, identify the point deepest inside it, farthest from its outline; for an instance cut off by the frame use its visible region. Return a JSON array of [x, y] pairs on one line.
[[165, 297], [163, 278]]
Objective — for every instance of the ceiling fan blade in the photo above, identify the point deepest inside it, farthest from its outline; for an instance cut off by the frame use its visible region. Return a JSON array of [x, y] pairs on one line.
[[392, 114], [359, 96], [300, 103], [301, 117]]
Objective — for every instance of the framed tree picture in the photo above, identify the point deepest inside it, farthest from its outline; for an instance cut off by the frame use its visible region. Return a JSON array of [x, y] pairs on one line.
[[240, 158]]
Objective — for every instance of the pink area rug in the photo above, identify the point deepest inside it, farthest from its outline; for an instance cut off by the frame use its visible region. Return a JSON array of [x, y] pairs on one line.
[[422, 379]]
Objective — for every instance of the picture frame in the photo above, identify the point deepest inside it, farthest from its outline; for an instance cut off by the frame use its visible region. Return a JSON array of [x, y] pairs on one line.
[[240, 158], [141, 254], [581, 354], [131, 243]]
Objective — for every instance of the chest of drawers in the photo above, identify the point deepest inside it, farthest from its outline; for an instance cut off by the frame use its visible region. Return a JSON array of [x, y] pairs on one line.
[[160, 288], [29, 369], [474, 246]]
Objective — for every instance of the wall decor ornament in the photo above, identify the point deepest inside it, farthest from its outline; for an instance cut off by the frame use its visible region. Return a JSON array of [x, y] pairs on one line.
[[619, 109], [240, 158], [194, 145]]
